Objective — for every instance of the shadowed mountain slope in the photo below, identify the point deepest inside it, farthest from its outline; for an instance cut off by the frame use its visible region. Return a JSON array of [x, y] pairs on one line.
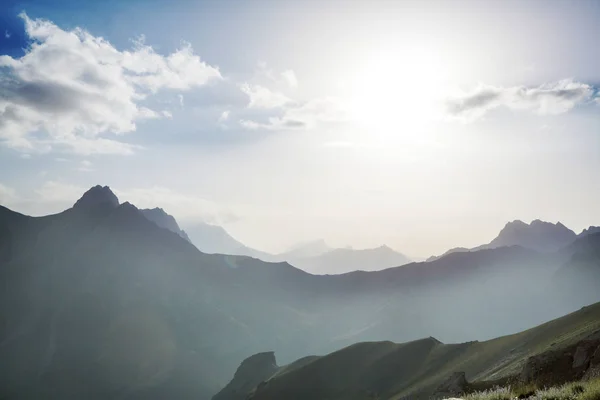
[[386, 370]]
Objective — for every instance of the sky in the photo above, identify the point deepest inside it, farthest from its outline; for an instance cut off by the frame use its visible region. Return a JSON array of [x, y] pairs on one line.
[[420, 125]]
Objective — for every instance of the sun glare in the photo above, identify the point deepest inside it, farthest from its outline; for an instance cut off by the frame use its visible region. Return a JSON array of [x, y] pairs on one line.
[[398, 90]]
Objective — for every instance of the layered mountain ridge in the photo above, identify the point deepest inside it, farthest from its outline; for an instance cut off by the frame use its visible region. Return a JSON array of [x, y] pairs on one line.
[[99, 302]]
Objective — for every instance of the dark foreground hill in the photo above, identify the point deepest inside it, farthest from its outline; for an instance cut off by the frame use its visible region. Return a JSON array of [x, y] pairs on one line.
[[386, 370], [98, 302]]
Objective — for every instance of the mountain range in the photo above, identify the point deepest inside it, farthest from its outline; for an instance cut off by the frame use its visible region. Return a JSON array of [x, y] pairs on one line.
[[538, 235], [315, 257], [101, 302]]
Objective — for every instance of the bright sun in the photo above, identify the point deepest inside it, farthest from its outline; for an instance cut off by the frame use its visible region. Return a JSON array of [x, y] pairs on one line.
[[397, 90]]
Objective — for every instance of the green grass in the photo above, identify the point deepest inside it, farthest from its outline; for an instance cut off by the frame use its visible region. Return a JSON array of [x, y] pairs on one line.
[[589, 390]]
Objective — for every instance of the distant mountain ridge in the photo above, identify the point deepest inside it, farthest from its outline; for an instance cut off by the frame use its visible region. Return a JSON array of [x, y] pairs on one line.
[[340, 261], [538, 235], [99, 302]]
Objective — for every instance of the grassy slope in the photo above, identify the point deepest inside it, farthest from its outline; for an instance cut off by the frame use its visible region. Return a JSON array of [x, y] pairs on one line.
[[387, 370]]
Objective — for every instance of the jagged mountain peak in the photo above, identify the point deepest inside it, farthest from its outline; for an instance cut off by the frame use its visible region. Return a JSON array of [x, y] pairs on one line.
[[538, 235], [95, 196]]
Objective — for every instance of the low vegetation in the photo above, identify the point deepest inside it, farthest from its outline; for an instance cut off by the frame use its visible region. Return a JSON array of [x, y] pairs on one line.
[[583, 390]]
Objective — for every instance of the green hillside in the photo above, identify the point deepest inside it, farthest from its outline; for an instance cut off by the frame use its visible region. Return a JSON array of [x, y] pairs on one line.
[[386, 370]]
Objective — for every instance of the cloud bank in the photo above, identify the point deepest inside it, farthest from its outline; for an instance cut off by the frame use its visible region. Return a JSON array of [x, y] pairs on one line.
[[549, 98], [71, 88]]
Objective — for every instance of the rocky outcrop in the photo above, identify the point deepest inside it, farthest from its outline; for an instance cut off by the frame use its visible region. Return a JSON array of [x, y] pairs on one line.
[[563, 365], [456, 384], [251, 373]]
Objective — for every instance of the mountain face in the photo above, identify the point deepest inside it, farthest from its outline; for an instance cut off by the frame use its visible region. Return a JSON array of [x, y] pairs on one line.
[[341, 261], [418, 369], [164, 220], [99, 302]]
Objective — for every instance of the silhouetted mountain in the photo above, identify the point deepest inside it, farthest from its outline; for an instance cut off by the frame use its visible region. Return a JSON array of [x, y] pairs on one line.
[[214, 239], [415, 370], [341, 261], [164, 220], [98, 302]]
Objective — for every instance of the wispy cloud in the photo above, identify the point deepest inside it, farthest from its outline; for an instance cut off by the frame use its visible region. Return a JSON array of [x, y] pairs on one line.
[[304, 115], [549, 98], [7, 34], [72, 87]]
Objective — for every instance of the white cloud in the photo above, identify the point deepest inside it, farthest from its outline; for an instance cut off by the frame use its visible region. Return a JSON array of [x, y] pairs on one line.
[[549, 98], [71, 87], [261, 97], [290, 77], [306, 115], [180, 96], [7, 34]]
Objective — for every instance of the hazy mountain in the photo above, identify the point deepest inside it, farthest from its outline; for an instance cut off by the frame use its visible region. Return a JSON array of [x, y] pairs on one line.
[[308, 249], [164, 220], [538, 235], [214, 239], [340, 261], [454, 250], [98, 302], [415, 370]]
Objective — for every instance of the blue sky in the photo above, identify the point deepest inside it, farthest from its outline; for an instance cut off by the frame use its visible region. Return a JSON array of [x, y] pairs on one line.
[[421, 125]]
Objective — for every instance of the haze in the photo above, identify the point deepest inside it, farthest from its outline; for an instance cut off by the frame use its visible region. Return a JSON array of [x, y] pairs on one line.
[[423, 126]]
